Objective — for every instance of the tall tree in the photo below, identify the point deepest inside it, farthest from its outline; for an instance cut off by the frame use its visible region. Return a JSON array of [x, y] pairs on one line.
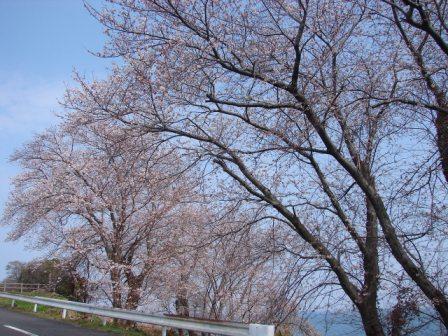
[[91, 193], [283, 96]]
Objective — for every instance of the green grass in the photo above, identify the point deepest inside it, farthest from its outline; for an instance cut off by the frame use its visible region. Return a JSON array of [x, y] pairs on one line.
[[83, 320]]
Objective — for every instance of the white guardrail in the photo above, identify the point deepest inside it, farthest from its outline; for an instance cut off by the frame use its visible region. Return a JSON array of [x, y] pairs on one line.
[[207, 326]]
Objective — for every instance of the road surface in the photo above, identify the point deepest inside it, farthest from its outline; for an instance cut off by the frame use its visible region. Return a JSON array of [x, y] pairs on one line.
[[21, 324]]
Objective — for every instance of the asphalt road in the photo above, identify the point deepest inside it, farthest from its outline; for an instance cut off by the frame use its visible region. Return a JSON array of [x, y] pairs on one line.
[[20, 324]]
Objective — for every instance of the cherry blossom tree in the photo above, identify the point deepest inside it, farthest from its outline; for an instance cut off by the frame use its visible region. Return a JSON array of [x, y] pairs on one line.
[[225, 272], [125, 213], [286, 98], [126, 221], [324, 122], [92, 193]]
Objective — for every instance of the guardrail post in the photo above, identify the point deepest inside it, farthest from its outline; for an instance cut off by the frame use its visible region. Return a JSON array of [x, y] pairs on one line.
[[261, 330], [35, 308], [164, 331], [104, 321], [64, 313], [21, 288], [4, 286], [13, 303]]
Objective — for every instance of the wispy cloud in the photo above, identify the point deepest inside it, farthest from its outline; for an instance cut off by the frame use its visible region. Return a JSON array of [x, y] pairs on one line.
[[28, 105]]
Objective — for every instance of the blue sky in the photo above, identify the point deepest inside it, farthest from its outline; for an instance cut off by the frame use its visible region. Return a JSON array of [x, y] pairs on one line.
[[42, 42]]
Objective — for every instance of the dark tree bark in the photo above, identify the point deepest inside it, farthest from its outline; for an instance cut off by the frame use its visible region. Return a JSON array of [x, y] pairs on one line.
[[116, 289], [441, 124], [368, 307]]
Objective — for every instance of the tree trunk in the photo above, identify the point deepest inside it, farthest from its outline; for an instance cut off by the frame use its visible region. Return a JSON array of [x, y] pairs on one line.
[[370, 319], [115, 276], [369, 294], [116, 289], [134, 294], [133, 297], [182, 308], [442, 140]]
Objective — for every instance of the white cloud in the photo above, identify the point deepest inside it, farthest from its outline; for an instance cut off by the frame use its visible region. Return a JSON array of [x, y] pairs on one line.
[[28, 105]]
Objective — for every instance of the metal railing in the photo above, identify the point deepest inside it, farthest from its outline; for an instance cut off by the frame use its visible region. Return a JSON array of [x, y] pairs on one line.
[[22, 287], [207, 326]]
